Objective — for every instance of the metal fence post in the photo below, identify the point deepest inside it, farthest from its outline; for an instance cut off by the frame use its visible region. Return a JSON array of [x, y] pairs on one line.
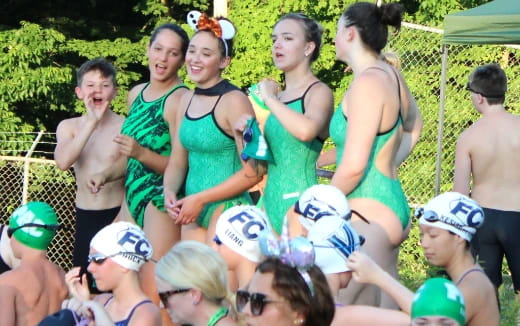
[[26, 167], [440, 134]]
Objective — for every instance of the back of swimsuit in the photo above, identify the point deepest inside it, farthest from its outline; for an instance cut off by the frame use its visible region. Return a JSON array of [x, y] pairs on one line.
[[374, 184]]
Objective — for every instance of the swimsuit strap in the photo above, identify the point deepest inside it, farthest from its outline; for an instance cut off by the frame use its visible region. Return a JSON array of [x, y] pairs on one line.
[[399, 116], [476, 269], [108, 300], [308, 88], [217, 316], [135, 307], [210, 112]]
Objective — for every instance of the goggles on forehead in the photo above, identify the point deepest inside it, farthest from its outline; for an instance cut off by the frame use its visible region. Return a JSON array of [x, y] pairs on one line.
[[433, 217], [99, 259], [52, 227]]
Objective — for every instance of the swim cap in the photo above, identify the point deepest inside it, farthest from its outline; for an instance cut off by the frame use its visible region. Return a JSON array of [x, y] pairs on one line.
[[126, 241], [319, 201], [454, 212], [439, 297], [239, 228], [334, 239], [36, 237]]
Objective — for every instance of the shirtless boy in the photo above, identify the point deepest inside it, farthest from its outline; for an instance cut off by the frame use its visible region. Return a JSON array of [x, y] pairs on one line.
[[488, 152], [86, 144], [37, 287]]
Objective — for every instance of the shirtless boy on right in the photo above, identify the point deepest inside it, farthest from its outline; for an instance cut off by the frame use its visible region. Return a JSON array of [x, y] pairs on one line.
[[488, 152], [85, 143]]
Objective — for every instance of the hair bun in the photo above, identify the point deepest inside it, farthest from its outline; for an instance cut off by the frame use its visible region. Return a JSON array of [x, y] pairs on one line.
[[392, 14]]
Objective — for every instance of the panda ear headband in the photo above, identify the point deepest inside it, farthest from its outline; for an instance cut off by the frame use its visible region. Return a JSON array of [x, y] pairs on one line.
[[221, 27]]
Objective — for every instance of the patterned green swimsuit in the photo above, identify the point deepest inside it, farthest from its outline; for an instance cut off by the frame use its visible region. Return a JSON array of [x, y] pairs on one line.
[[374, 184], [145, 123], [294, 166], [212, 158]]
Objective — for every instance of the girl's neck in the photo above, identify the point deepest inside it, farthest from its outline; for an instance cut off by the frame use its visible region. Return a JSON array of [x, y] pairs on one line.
[[166, 85], [460, 264], [361, 59], [127, 290], [298, 78], [208, 310], [209, 83]]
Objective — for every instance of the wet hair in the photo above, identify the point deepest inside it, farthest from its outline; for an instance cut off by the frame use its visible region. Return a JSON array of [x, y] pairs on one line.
[[372, 22], [185, 40], [98, 64], [490, 81], [318, 310], [312, 29], [194, 265]]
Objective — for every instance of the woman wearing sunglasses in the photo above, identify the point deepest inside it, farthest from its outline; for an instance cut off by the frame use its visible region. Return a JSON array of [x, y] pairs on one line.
[[117, 252], [279, 295], [193, 287]]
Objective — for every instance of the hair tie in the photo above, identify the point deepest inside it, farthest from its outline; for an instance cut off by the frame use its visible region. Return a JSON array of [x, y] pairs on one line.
[[220, 27]]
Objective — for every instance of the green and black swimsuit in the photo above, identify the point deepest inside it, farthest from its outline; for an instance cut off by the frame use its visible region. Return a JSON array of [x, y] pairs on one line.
[[145, 123]]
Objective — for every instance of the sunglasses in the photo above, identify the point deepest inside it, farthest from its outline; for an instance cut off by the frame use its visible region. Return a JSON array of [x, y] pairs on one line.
[[257, 301], [469, 88], [52, 227], [99, 259], [165, 296]]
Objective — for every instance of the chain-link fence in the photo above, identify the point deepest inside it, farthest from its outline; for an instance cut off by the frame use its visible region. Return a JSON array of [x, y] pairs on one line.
[[420, 51], [24, 179]]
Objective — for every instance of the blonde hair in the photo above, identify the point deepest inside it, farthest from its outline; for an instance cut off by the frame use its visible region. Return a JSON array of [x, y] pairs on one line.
[[391, 58], [192, 264]]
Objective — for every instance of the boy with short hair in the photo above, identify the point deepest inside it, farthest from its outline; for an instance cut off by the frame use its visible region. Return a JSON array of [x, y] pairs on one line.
[[37, 287], [85, 143], [488, 153]]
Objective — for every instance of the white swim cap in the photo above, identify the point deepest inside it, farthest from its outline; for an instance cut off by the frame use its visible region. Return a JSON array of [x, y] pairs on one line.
[[334, 239], [454, 212], [239, 227], [125, 242], [319, 201]]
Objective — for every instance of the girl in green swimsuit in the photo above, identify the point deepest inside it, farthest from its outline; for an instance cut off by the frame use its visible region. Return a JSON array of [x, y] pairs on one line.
[[145, 139], [205, 154], [382, 128], [298, 123]]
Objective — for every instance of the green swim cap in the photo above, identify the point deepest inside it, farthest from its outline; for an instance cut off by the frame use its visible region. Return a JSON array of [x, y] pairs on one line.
[[36, 237], [439, 297]]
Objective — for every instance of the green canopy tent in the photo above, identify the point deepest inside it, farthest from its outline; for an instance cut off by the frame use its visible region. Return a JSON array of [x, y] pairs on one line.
[[495, 22]]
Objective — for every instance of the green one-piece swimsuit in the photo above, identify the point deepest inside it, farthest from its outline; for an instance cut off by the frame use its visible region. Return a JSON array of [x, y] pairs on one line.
[[293, 169], [374, 184], [145, 123], [212, 158]]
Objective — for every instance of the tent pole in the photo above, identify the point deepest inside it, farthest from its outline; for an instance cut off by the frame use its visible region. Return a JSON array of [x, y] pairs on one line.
[[440, 133]]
